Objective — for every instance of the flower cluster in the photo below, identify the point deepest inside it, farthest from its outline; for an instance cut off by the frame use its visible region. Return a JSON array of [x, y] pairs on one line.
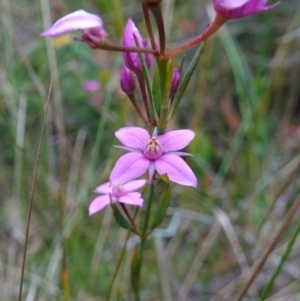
[[154, 151]]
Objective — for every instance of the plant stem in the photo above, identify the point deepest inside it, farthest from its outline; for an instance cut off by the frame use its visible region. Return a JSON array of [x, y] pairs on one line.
[[130, 218], [144, 95], [31, 196], [117, 268], [144, 232], [270, 248], [284, 257], [115, 47], [137, 108], [156, 11], [149, 27], [211, 29]]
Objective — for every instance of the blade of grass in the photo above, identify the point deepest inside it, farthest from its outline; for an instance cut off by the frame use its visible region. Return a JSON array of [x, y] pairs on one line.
[[263, 259], [31, 196], [283, 259]]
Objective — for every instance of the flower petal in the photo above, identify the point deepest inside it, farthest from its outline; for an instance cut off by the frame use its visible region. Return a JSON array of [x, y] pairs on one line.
[[132, 198], [98, 204], [176, 168], [134, 185], [175, 140], [134, 137], [129, 167], [77, 20], [104, 188], [235, 9]]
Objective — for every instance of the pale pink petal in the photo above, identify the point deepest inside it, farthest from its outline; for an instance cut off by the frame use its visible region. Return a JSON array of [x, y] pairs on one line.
[[234, 9], [77, 20], [98, 204], [134, 137], [134, 185], [129, 167], [132, 198], [175, 140], [151, 170], [104, 188], [178, 171]]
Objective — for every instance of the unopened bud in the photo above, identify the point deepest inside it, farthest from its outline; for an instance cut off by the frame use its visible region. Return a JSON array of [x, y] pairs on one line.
[[175, 82], [132, 59]]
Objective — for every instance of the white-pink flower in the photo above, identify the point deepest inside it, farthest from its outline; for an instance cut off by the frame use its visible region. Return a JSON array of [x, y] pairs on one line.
[[156, 152], [117, 193], [90, 25]]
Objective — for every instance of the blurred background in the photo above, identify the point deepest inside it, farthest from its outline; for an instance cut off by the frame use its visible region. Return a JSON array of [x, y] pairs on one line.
[[243, 103]]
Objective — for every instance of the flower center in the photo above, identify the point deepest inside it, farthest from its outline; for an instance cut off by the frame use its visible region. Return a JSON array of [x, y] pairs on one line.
[[117, 190], [153, 149]]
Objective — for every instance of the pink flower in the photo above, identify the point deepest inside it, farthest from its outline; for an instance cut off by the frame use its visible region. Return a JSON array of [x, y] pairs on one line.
[[117, 193], [158, 153], [234, 9], [91, 26], [131, 59], [91, 85]]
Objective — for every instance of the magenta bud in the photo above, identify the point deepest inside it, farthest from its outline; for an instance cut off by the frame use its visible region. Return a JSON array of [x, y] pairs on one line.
[[235, 9], [131, 59], [175, 82], [128, 80]]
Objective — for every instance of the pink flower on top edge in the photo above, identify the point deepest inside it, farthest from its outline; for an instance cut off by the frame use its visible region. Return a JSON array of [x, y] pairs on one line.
[[156, 152], [117, 193], [90, 25], [235, 9]]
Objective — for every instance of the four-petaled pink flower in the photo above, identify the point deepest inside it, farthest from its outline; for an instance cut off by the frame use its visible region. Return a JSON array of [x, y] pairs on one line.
[[158, 153], [90, 25], [117, 193], [235, 9]]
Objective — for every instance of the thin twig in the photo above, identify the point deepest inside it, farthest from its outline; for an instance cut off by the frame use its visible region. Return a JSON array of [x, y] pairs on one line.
[[32, 194], [272, 245]]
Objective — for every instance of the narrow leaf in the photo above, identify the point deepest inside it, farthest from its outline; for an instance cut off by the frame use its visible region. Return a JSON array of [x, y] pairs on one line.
[[120, 218], [186, 78], [163, 202]]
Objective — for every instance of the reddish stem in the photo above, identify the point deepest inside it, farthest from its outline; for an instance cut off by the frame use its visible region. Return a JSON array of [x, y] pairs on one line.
[[137, 108], [211, 29], [115, 47], [149, 27], [156, 11], [144, 95]]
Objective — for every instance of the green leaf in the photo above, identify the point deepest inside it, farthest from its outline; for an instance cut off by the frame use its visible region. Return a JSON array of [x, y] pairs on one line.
[[186, 78], [165, 68], [164, 201], [135, 271], [156, 90], [148, 81], [120, 218]]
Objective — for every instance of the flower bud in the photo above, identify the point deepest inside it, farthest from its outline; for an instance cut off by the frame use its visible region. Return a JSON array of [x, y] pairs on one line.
[[175, 82], [128, 80], [131, 59]]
